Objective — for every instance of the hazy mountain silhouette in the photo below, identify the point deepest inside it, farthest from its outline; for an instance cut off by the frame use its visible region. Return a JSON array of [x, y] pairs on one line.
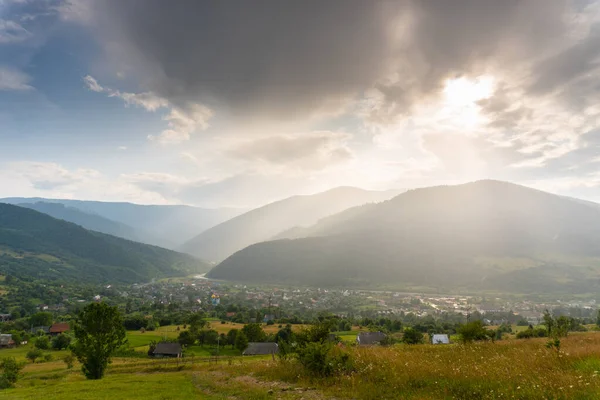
[[89, 221], [484, 234], [162, 225], [265, 222], [35, 245]]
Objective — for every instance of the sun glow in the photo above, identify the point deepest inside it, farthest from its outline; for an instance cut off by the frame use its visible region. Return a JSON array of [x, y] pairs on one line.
[[461, 96]]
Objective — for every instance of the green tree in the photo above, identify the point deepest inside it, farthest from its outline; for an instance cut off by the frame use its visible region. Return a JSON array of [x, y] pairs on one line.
[[598, 318], [41, 319], [10, 372], [61, 341], [99, 332], [254, 333], [473, 331], [196, 322], [412, 336], [207, 336], [42, 343], [231, 335], [186, 339], [34, 354], [241, 341]]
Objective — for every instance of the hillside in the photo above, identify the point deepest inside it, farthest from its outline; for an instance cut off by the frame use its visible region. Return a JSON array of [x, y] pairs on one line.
[[35, 245], [482, 235], [265, 222], [88, 221], [162, 225]]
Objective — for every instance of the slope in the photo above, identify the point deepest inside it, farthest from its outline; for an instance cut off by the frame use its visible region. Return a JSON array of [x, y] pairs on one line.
[[35, 245], [88, 221], [265, 222], [162, 225], [485, 234]]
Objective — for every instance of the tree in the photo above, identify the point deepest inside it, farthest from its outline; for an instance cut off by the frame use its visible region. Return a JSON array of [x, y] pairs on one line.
[[99, 332], [598, 319], [474, 331], [231, 335], [42, 343], [241, 341], [412, 336], [34, 354], [254, 333], [61, 341], [208, 336], [185, 338], [41, 319], [196, 322], [10, 372]]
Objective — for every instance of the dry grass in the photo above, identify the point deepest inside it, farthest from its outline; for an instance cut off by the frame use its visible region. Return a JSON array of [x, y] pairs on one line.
[[523, 369]]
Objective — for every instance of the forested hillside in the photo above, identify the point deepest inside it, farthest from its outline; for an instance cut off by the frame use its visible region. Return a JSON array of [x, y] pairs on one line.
[[484, 234], [35, 245]]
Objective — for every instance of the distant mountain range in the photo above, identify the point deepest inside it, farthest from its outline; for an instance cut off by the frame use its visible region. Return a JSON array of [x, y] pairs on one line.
[[485, 235], [162, 225], [266, 222], [34, 245]]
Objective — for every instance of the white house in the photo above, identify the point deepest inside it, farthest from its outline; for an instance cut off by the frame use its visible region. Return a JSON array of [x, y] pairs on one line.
[[440, 339]]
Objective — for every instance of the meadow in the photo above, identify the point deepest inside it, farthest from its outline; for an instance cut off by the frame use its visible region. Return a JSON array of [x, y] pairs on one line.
[[507, 369]]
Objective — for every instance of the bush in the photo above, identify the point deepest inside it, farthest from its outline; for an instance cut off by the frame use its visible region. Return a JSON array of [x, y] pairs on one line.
[[324, 359], [48, 357], [42, 343], [61, 342], [69, 360], [34, 354], [474, 331], [10, 372], [412, 336]]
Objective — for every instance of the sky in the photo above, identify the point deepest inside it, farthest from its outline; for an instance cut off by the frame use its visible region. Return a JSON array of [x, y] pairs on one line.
[[229, 103]]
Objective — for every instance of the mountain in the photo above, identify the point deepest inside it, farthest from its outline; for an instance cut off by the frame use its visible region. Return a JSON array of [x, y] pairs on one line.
[[265, 222], [88, 221], [162, 225], [486, 235], [34, 245]]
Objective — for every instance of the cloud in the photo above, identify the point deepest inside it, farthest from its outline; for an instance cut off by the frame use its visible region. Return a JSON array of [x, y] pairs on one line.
[[12, 79], [310, 151], [12, 32], [181, 122]]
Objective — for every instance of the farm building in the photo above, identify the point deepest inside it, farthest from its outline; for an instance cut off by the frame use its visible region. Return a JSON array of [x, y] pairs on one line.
[[165, 349], [440, 339], [255, 348], [370, 338]]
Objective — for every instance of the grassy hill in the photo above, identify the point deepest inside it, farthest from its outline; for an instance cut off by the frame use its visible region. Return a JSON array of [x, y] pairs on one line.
[[268, 221], [162, 225], [481, 235], [35, 245]]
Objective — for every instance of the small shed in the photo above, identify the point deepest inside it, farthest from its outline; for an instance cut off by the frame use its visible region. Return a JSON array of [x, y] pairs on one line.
[[370, 338], [165, 349], [6, 341], [58, 328], [440, 339], [258, 348]]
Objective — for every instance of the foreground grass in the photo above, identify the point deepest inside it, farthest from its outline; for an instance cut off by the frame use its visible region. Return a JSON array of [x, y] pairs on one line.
[[510, 369]]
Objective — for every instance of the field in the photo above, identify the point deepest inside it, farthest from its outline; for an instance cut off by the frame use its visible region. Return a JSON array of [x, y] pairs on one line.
[[519, 369]]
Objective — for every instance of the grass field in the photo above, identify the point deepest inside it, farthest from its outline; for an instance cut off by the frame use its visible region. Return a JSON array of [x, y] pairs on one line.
[[507, 369]]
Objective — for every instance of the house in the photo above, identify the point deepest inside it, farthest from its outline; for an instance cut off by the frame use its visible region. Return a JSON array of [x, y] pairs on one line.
[[165, 349], [269, 317], [5, 317], [256, 348], [6, 341], [58, 328], [370, 338], [440, 339]]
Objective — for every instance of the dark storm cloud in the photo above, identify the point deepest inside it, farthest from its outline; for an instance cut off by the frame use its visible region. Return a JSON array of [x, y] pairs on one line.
[[291, 58]]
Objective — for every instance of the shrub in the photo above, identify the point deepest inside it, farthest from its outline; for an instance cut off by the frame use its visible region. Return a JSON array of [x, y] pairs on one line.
[[412, 336], [10, 372], [33, 354], [69, 360], [48, 357], [473, 331], [324, 359], [42, 343], [61, 342]]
